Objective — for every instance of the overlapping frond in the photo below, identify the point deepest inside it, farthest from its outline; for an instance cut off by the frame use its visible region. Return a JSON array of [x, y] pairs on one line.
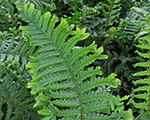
[[111, 10], [142, 92], [60, 77], [16, 103], [7, 15], [15, 48], [128, 28]]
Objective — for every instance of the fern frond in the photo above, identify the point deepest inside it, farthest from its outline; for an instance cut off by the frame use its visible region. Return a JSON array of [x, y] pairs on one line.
[[111, 10], [127, 29], [140, 11], [15, 100], [142, 92], [60, 76], [7, 16], [15, 48]]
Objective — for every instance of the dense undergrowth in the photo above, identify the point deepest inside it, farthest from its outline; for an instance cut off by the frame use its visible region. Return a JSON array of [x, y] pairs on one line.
[[74, 59]]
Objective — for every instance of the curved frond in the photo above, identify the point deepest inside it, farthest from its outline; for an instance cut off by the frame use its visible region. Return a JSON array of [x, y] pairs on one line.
[[61, 78]]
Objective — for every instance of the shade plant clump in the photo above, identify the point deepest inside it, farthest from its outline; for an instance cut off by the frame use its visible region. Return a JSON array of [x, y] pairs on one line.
[[73, 60]]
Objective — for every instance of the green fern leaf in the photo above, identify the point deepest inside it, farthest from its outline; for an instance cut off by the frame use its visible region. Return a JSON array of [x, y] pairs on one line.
[[15, 100], [142, 64], [141, 96], [142, 73], [111, 10], [60, 75], [142, 105], [144, 55], [15, 48], [142, 81], [127, 29], [143, 88]]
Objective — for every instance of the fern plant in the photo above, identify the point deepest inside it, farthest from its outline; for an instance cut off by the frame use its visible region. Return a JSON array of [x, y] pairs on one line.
[[141, 95], [15, 47], [66, 88], [7, 16], [110, 9], [127, 29], [15, 100], [120, 54]]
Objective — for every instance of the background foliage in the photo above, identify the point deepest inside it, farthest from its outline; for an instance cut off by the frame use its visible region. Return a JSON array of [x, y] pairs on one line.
[[111, 24]]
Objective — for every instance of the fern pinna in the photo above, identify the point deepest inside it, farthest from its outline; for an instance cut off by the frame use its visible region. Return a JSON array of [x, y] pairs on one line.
[[66, 88], [141, 95]]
